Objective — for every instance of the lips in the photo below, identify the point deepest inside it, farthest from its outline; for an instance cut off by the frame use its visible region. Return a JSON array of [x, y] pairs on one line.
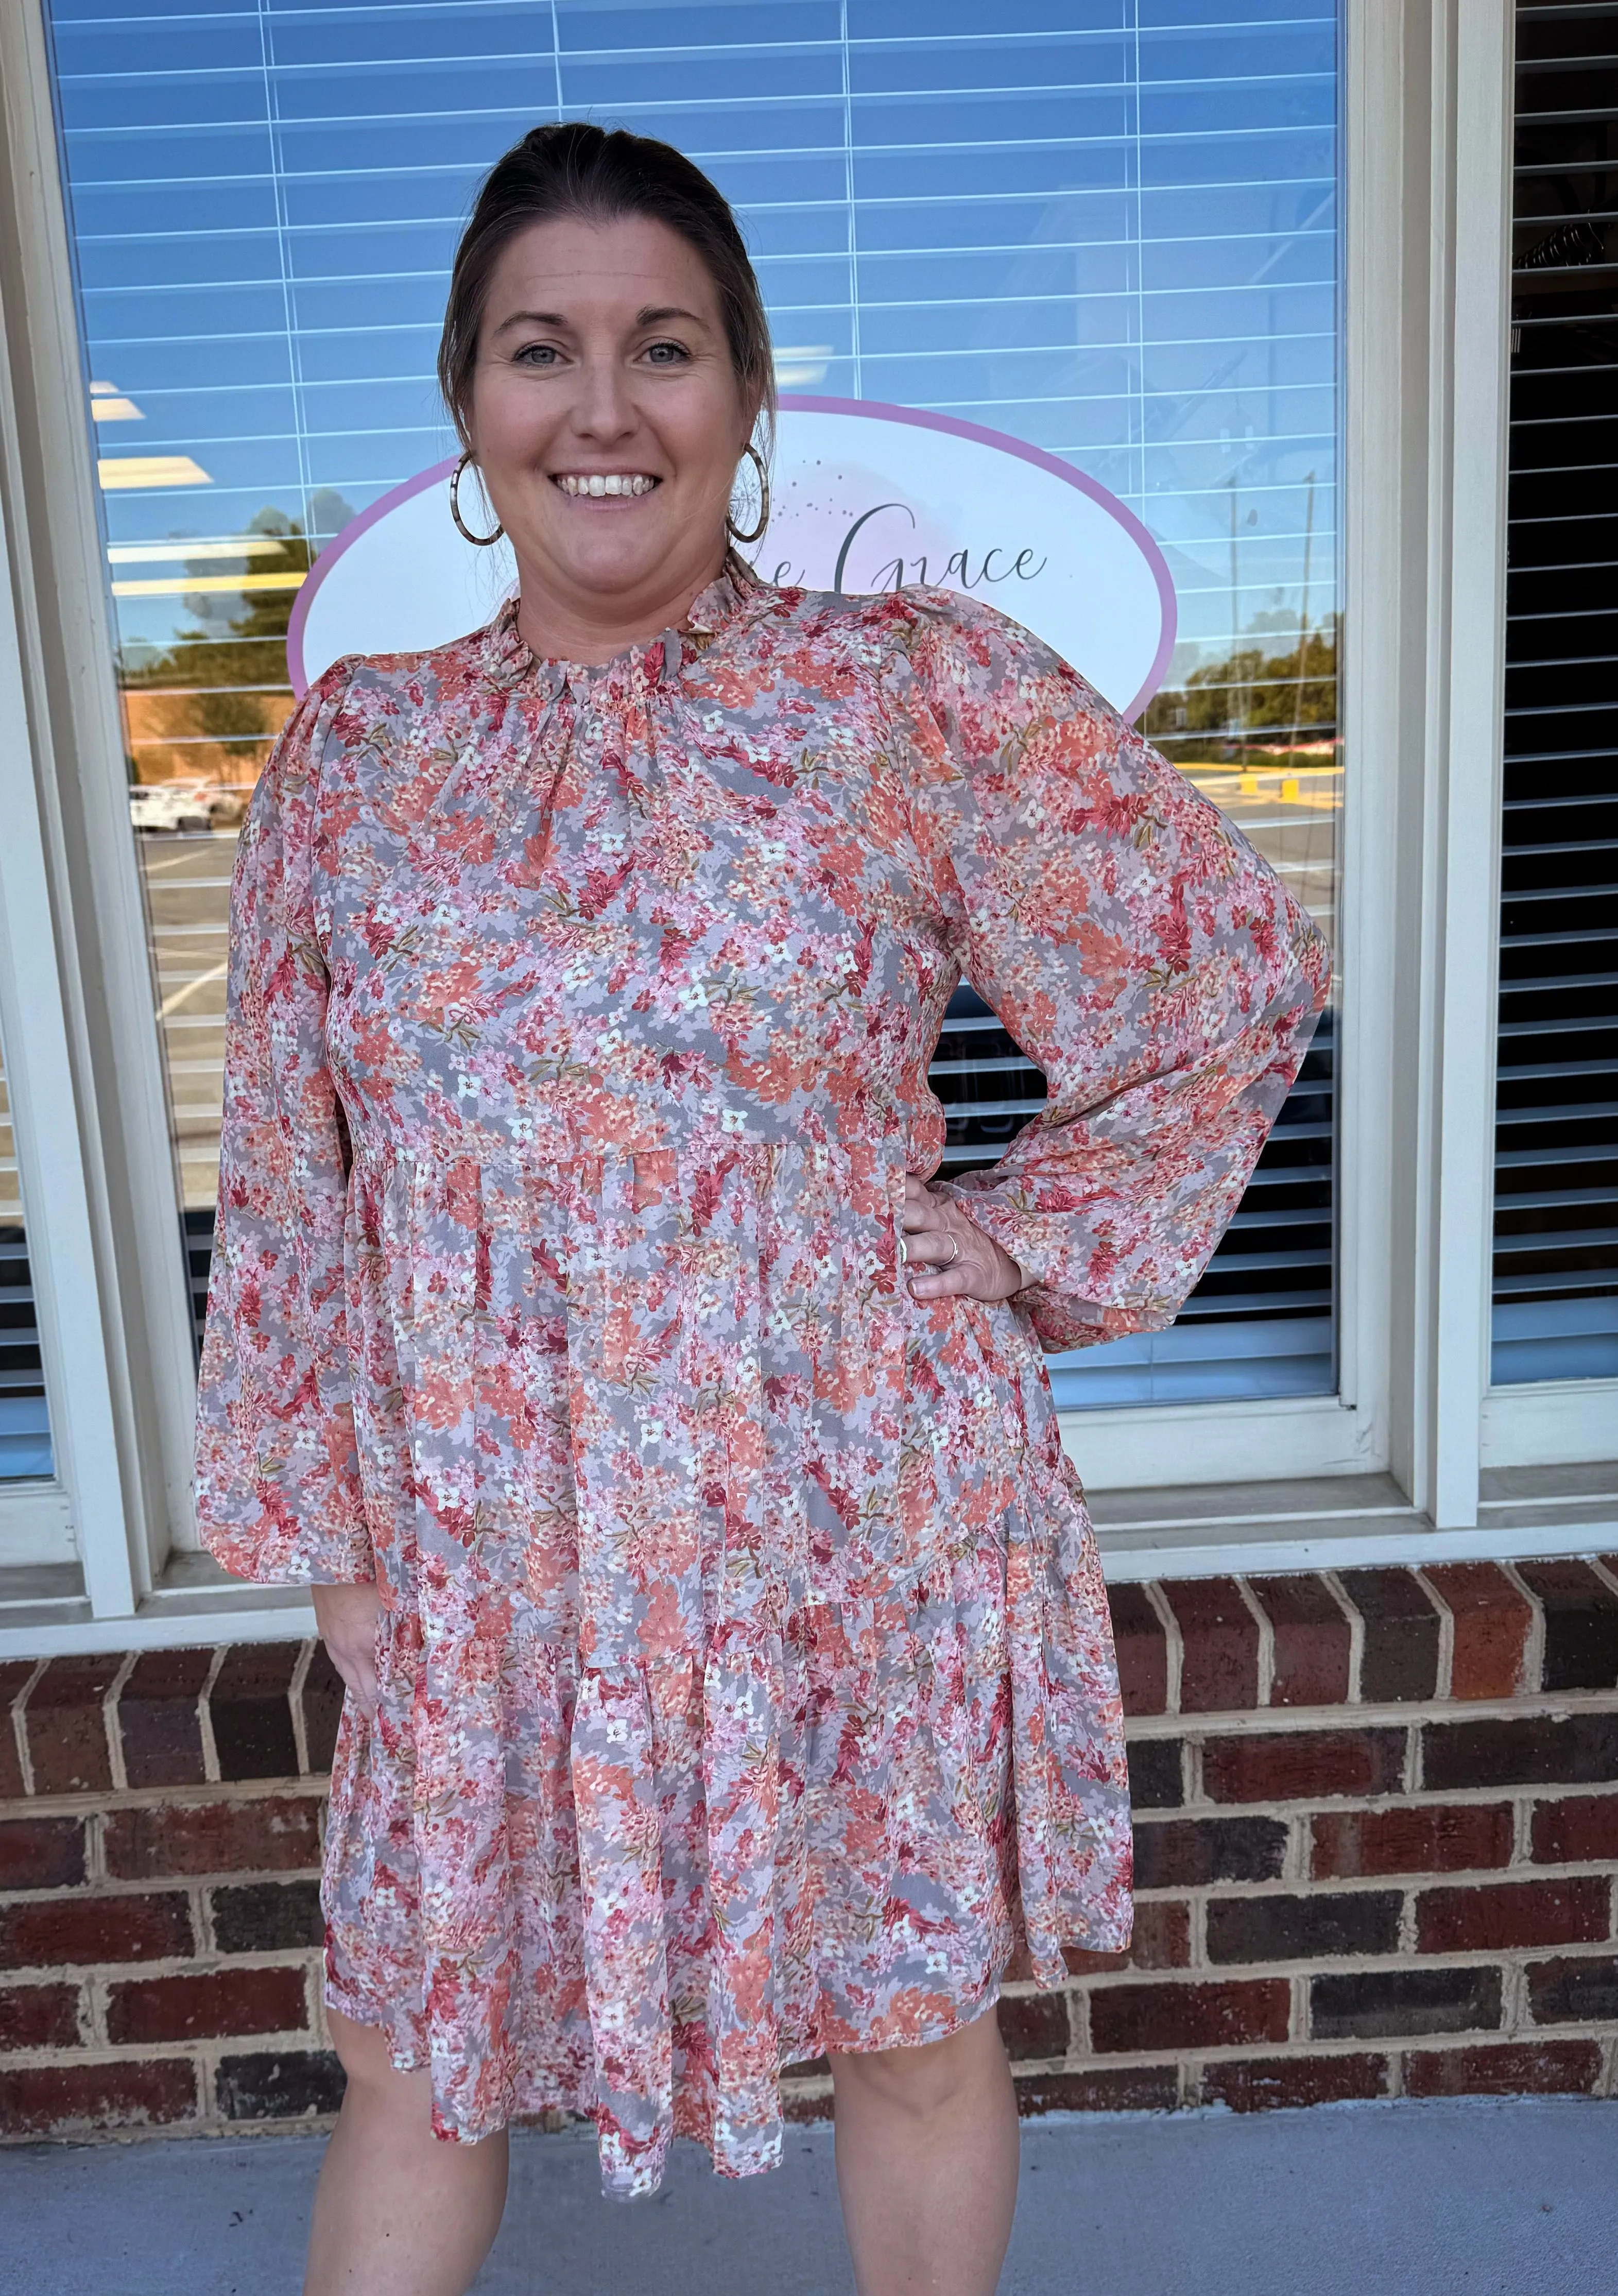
[[599, 483]]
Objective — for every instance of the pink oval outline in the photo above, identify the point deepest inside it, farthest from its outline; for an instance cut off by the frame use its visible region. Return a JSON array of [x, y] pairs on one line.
[[878, 410]]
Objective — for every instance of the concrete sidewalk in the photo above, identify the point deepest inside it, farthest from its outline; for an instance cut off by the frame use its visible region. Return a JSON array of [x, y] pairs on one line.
[[1512, 2198]]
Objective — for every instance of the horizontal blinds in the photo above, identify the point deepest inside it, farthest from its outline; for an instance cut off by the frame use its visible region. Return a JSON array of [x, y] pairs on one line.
[[1556, 1231], [25, 1437], [1107, 228]]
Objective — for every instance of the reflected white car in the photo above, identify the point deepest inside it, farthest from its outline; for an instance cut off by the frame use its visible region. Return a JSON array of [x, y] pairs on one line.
[[173, 806]]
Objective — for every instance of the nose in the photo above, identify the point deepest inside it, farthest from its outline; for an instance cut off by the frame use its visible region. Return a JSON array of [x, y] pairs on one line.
[[603, 411]]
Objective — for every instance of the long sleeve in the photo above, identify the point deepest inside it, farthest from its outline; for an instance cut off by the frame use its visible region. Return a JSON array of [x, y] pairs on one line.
[[278, 1483], [1127, 938]]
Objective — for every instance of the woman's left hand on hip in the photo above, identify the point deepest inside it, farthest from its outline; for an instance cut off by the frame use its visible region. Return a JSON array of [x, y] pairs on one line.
[[949, 1256]]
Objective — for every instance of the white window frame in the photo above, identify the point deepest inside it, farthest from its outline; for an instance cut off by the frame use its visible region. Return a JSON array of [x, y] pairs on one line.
[[1395, 1466]]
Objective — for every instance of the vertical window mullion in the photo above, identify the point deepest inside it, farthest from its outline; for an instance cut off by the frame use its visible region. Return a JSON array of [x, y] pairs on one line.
[[45, 1118]]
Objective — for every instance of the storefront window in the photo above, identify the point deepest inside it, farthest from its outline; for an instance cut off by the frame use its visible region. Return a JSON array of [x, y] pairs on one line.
[[1103, 227]]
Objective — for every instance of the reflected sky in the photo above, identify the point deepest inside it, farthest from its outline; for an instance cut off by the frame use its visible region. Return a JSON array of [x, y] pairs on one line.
[[1108, 227]]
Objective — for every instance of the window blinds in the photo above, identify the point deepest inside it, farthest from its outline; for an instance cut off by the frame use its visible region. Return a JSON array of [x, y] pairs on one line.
[[1106, 226], [1556, 1228]]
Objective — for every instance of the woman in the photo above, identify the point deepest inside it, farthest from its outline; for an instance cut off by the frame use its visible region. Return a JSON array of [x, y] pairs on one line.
[[672, 1459]]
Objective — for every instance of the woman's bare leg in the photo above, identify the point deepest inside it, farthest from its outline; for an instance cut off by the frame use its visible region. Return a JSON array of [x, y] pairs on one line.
[[396, 2211], [926, 2163]]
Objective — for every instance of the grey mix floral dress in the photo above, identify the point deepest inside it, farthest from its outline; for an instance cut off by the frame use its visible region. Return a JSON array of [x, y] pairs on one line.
[[747, 1684]]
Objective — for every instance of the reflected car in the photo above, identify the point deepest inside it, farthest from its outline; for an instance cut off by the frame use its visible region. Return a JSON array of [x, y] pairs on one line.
[[157, 806]]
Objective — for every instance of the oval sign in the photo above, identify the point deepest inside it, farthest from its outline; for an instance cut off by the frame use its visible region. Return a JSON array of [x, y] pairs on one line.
[[864, 498]]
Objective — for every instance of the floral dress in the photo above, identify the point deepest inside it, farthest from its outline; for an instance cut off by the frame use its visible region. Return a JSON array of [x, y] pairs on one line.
[[747, 1685]]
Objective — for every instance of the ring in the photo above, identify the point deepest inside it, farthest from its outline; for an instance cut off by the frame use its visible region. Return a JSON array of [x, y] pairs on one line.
[[954, 1255]]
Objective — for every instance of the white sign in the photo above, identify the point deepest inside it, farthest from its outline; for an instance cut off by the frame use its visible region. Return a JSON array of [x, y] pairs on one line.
[[863, 497]]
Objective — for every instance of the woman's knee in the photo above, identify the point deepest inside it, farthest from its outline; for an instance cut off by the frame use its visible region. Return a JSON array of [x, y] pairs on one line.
[[930, 2080]]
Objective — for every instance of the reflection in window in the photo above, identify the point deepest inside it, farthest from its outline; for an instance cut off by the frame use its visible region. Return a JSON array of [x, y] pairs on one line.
[[25, 1427], [1095, 226]]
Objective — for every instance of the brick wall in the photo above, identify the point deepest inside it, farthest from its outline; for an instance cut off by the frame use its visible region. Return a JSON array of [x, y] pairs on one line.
[[1376, 1830]]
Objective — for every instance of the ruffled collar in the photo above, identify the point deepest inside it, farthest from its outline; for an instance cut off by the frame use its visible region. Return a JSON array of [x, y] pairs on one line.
[[509, 657]]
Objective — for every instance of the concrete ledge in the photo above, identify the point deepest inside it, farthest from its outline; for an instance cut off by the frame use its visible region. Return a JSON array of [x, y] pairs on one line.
[[1507, 2198]]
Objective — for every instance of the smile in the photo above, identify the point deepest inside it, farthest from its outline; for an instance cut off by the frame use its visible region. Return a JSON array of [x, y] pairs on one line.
[[605, 482]]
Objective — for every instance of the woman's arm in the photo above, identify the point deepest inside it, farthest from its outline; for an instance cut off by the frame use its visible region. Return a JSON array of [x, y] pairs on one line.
[[278, 1486], [1129, 938]]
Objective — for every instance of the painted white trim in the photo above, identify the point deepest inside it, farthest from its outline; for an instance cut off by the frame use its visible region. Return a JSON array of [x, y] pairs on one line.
[[1428, 282], [1472, 350], [1145, 1445], [1556, 1424], [104, 976], [1351, 1550], [45, 1120], [36, 1525]]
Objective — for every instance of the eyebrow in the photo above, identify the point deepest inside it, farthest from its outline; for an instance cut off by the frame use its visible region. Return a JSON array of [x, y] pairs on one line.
[[653, 315]]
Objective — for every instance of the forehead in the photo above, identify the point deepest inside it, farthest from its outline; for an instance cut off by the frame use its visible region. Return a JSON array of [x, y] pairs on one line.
[[579, 269]]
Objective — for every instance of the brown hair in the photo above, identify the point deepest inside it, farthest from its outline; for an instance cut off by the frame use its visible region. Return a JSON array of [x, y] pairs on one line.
[[574, 169]]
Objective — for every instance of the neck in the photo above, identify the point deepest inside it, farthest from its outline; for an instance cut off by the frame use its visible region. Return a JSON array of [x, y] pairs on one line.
[[557, 624]]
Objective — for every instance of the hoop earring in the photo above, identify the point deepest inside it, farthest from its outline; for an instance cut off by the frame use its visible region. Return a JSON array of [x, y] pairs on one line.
[[481, 541], [731, 527]]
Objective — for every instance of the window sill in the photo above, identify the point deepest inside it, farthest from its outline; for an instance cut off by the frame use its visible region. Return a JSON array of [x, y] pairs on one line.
[[1211, 1530], [1342, 1522]]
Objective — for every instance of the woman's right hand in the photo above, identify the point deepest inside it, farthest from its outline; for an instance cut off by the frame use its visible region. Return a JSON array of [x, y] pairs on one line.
[[346, 1619]]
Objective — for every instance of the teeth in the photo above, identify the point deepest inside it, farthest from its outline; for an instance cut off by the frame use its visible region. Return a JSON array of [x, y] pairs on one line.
[[606, 482]]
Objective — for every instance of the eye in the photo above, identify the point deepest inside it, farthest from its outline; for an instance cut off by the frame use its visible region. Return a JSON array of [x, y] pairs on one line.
[[667, 354], [536, 355]]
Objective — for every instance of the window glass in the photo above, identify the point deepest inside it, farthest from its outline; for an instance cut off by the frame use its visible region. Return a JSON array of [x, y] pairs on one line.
[[25, 1427], [1106, 227]]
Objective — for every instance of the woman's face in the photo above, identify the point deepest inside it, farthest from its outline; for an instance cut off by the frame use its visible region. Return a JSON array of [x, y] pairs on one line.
[[605, 417]]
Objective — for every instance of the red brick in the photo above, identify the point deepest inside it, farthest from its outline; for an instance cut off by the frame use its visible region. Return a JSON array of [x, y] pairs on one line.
[[267, 1917], [1034, 2025], [42, 1853], [1510, 2068], [1186, 1852], [1179, 2016], [1581, 1625], [1399, 1649], [59, 1933], [1143, 1650], [1341, 1923], [1491, 1625], [250, 1708], [13, 1674], [38, 2016], [67, 1728], [1579, 1828], [1259, 2084], [280, 2084], [1574, 1990], [1526, 1749], [1162, 1941], [1312, 1640], [1493, 1919], [802, 2109], [1467, 1838], [91, 2099], [1219, 1635], [1303, 1765], [1369, 2004], [160, 1718], [1157, 1773], [216, 2005], [1110, 2089], [277, 1835]]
